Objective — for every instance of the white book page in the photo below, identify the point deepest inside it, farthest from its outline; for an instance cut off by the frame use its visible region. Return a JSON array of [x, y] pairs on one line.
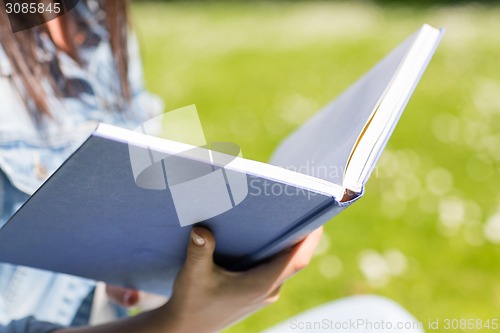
[[374, 138], [322, 146]]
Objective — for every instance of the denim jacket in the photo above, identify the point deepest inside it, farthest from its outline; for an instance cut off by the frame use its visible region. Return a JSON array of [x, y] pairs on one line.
[[30, 151]]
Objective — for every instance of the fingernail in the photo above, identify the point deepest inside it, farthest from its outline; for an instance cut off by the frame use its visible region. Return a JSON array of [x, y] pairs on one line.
[[197, 239], [127, 298]]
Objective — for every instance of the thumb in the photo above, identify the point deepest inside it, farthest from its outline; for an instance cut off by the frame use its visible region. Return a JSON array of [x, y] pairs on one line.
[[199, 259]]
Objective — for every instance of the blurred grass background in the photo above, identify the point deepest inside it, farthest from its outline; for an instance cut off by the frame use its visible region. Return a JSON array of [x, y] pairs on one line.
[[426, 233]]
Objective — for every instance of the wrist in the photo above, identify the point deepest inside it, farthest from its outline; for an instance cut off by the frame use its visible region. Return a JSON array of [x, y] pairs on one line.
[[176, 318], [170, 320]]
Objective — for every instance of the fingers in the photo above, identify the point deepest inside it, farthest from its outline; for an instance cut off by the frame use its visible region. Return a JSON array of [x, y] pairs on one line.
[[286, 265], [199, 259], [267, 277], [300, 256], [123, 296], [273, 296]]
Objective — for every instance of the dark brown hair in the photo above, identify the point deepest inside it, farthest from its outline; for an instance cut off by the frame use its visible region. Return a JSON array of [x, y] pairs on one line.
[[29, 71]]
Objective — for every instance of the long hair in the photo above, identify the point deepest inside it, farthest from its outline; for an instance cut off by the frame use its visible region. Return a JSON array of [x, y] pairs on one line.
[[29, 71]]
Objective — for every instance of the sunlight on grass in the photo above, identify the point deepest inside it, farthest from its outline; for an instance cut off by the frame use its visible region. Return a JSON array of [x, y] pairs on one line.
[[426, 233]]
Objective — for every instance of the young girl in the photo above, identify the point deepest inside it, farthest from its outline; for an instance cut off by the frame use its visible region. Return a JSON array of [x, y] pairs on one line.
[[57, 81]]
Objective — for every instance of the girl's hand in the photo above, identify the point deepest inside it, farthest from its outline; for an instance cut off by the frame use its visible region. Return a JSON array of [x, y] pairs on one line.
[[207, 298]]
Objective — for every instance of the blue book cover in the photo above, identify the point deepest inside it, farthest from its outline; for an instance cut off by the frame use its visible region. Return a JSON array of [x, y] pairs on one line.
[[120, 209]]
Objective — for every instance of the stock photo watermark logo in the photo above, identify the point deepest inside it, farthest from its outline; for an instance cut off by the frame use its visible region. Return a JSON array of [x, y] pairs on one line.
[[24, 15], [356, 324], [198, 174]]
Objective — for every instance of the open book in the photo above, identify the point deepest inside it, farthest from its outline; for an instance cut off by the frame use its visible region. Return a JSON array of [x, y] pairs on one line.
[[113, 211]]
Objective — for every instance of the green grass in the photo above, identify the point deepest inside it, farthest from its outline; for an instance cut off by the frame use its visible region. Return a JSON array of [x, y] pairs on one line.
[[256, 71]]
